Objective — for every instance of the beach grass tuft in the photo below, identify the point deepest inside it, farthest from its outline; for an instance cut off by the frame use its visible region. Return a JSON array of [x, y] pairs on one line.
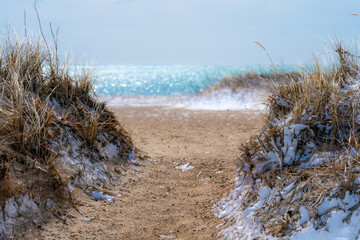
[[255, 81], [52, 130], [307, 152]]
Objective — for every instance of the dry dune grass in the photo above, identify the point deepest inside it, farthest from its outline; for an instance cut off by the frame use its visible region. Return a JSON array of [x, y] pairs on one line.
[[41, 102], [307, 151], [253, 80]]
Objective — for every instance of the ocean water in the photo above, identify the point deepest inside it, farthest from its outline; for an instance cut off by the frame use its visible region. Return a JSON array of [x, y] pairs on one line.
[[173, 86], [165, 80]]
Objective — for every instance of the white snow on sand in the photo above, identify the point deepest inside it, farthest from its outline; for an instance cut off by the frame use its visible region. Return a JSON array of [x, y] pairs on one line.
[[186, 167], [336, 227], [339, 225]]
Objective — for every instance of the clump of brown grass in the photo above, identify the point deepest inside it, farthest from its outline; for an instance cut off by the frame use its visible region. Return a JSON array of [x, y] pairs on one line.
[[41, 101], [253, 80], [310, 140]]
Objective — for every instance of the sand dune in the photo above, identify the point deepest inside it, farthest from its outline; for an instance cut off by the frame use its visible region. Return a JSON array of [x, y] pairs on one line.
[[157, 200]]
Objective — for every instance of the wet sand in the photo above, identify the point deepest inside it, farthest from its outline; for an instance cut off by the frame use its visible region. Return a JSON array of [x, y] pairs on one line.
[[158, 200]]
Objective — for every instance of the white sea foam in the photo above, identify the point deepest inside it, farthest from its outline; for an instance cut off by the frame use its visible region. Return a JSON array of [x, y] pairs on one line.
[[225, 100], [219, 100], [142, 101]]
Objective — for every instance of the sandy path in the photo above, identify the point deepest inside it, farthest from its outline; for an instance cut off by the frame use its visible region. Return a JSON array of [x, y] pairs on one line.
[[157, 200]]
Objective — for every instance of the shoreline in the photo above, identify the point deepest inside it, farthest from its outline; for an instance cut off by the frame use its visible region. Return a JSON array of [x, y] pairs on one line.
[[218, 100]]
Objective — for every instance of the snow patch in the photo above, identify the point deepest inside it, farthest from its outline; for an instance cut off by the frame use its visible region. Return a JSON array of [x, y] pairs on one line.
[[184, 168]]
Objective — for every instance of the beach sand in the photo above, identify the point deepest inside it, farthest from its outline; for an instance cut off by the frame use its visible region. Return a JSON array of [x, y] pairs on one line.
[[158, 200]]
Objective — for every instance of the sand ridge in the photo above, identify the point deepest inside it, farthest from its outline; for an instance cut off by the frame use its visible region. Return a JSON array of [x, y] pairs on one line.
[[156, 199]]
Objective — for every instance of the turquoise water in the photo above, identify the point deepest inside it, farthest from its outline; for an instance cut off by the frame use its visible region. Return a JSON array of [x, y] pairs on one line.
[[165, 80]]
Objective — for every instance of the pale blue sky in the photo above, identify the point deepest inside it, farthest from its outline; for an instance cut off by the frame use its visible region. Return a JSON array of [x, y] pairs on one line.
[[189, 31]]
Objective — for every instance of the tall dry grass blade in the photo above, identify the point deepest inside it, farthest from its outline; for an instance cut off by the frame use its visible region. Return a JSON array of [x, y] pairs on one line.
[[272, 63], [25, 30]]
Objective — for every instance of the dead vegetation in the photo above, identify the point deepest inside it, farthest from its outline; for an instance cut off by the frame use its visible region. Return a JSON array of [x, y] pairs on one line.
[[253, 80], [307, 152], [47, 111]]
